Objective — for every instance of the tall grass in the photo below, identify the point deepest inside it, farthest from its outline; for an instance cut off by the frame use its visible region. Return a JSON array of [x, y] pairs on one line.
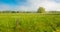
[[29, 22]]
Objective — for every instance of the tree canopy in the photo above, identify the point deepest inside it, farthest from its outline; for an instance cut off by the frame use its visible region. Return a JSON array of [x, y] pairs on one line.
[[41, 10]]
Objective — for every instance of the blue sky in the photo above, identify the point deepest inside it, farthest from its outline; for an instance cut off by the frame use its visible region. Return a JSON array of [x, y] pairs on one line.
[[13, 2], [29, 5]]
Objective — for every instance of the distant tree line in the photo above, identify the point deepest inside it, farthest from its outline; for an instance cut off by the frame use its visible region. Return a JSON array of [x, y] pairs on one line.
[[16, 12], [39, 10], [54, 12]]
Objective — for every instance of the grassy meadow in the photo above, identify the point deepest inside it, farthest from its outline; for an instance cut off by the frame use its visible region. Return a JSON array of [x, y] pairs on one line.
[[29, 22]]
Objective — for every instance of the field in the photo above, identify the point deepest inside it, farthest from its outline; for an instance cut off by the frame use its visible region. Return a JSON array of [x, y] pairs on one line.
[[29, 22]]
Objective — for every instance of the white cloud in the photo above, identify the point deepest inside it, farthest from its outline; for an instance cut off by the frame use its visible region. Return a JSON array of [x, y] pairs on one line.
[[49, 5], [4, 7], [33, 5]]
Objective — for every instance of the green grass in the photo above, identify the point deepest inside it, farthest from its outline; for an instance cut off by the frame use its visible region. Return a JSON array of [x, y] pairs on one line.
[[29, 22]]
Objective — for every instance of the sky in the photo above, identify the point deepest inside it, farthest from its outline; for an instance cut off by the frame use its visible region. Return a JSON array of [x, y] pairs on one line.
[[29, 5]]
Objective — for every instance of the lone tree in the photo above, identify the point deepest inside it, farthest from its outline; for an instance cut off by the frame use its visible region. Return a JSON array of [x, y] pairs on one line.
[[41, 10]]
